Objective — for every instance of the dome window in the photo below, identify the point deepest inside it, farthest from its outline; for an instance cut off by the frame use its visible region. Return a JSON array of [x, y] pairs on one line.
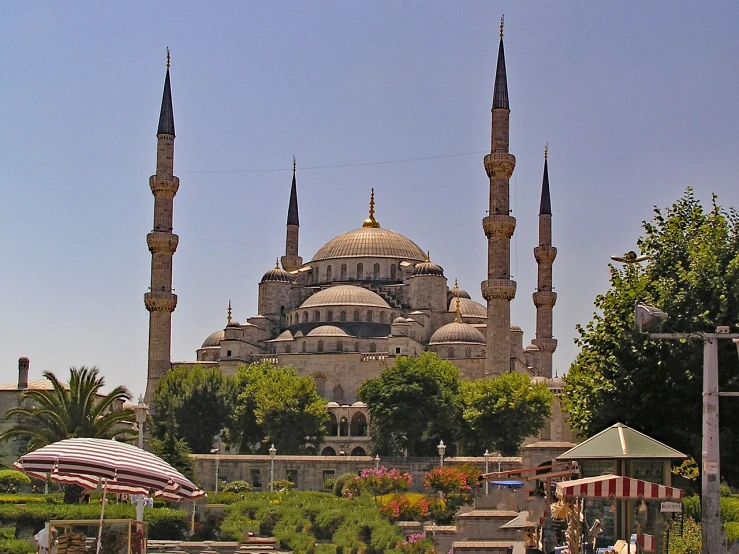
[[328, 272], [329, 316], [382, 317], [360, 272], [356, 315], [376, 272], [393, 272], [320, 346], [342, 316], [339, 346], [316, 316], [370, 316], [303, 347], [343, 272], [305, 317]]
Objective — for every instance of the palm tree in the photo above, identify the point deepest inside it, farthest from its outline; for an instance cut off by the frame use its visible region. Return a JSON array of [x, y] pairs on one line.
[[78, 409]]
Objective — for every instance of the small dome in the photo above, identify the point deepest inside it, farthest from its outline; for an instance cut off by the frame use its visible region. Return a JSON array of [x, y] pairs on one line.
[[468, 308], [233, 323], [299, 335], [532, 348], [327, 331], [332, 404], [359, 405], [457, 332], [515, 327], [276, 274], [428, 267], [345, 295], [399, 320], [213, 340]]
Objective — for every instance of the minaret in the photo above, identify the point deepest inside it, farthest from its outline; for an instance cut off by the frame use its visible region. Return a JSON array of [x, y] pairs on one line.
[[160, 301], [545, 297], [291, 261], [499, 289]]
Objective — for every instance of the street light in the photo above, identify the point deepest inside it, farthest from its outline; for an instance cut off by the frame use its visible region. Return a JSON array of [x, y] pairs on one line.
[[649, 316], [141, 410], [272, 453], [487, 469], [377, 461], [441, 448], [215, 451]]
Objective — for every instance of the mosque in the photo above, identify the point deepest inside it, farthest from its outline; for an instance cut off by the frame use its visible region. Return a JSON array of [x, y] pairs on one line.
[[366, 297]]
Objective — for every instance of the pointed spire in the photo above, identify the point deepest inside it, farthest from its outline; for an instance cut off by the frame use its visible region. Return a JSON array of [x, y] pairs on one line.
[[545, 208], [371, 221], [458, 316], [228, 317], [500, 95], [292, 210], [166, 114]]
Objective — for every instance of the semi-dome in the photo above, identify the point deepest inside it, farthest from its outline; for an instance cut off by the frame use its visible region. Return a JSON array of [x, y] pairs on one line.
[[427, 267], [276, 274], [468, 308], [345, 295], [233, 323], [457, 332], [370, 242], [399, 319], [214, 339], [327, 331]]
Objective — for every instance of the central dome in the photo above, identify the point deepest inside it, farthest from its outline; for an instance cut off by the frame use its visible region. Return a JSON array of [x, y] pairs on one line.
[[370, 242], [345, 295]]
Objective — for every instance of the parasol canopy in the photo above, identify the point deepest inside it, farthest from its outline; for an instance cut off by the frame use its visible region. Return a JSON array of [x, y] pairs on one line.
[[605, 486], [123, 468]]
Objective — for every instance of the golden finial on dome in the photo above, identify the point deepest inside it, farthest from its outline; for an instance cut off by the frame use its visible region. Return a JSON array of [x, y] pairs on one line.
[[228, 317], [277, 263], [501, 26], [458, 315], [168, 58], [456, 287], [428, 256], [546, 151], [371, 221]]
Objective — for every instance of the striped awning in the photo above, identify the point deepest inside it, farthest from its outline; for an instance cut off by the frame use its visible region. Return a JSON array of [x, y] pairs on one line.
[[123, 467], [605, 486]]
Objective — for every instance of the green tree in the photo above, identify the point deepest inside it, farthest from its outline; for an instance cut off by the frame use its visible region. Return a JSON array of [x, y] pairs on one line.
[[414, 404], [200, 400], [173, 449], [499, 413], [621, 375], [274, 405]]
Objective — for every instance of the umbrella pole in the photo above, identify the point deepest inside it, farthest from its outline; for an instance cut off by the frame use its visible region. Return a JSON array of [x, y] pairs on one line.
[[102, 515]]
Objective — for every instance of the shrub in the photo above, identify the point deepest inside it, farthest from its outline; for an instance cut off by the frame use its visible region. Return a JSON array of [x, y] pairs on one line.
[[238, 487], [340, 481], [167, 524], [378, 482], [690, 542], [405, 507], [692, 507], [15, 546], [22, 499], [417, 544], [12, 477], [732, 531], [283, 484]]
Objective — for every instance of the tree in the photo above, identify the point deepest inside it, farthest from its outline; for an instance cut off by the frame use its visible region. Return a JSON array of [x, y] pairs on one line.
[[274, 405], [79, 409], [414, 404], [621, 375], [172, 449], [499, 413], [200, 400]]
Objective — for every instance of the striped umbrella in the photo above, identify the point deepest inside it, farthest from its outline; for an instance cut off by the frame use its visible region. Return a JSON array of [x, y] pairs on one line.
[[121, 467]]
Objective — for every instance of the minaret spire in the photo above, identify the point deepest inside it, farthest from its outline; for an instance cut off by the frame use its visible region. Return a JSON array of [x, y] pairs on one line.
[[291, 260], [161, 301], [371, 221], [545, 297], [499, 289]]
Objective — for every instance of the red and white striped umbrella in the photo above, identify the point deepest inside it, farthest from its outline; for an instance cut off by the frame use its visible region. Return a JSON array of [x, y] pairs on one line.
[[124, 468], [605, 486]]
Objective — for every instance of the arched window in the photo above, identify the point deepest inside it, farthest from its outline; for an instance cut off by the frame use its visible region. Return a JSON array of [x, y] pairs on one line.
[[288, 348], [369, 316], [339, 346], [328, 451], [339, 394], [393, 271], [376, 272], [450, 352], [303, 347], [320, 385], [360, 272], [358, 451], [343, 272], [382, 317], [329, 316], [356, 346], [373, 347], [316, 316], [359, 425], [343, 427], [328, 272], [342, 316], [305, 317], [332, 427], [468, 352], [320, 346], [356, 315]]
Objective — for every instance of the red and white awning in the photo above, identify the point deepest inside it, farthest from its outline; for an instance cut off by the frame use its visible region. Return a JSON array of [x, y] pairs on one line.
[[605, 486], [125, 468]]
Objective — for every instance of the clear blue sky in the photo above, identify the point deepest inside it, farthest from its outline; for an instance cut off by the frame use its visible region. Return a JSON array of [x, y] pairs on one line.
[[637, 101]]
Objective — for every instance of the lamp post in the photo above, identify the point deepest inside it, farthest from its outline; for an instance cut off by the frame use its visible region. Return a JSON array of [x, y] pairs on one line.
[[215, 451], [441, 448], [272, 453], [377, 461], [646, 318], [141, 410], [487, 469]]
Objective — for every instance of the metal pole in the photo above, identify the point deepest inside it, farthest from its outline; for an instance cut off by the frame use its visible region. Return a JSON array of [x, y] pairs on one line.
[[272, 475], [487, 470], [217, 461], [711, 474], [141, 436]]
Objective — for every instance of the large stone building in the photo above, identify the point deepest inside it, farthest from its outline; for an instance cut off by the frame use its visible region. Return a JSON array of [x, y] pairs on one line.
[[368, 296]]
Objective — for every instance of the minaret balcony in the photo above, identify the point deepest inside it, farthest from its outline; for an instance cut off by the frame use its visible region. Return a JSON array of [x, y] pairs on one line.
[[160, 301], [545, 299], [545, 254], [548, 345], [499, 226], [499, 163], [166, 187], [162, 242], [498, 289]]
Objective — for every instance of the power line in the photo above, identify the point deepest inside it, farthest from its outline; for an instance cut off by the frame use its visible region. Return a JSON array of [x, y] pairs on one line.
[[385, 162]]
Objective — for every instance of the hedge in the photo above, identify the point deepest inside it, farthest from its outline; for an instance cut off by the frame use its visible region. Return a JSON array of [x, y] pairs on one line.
[[16, 546]]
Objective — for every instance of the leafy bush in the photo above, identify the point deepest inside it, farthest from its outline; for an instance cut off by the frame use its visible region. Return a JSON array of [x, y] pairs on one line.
[[22, 499], [692, 507], [690, 542], [417, 544], [405, 507], [283, 484], [729, 508], [16, 546], [732, 531], [340, 481], [238, 487], [167, 524], [12, 477], [378, 482]]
